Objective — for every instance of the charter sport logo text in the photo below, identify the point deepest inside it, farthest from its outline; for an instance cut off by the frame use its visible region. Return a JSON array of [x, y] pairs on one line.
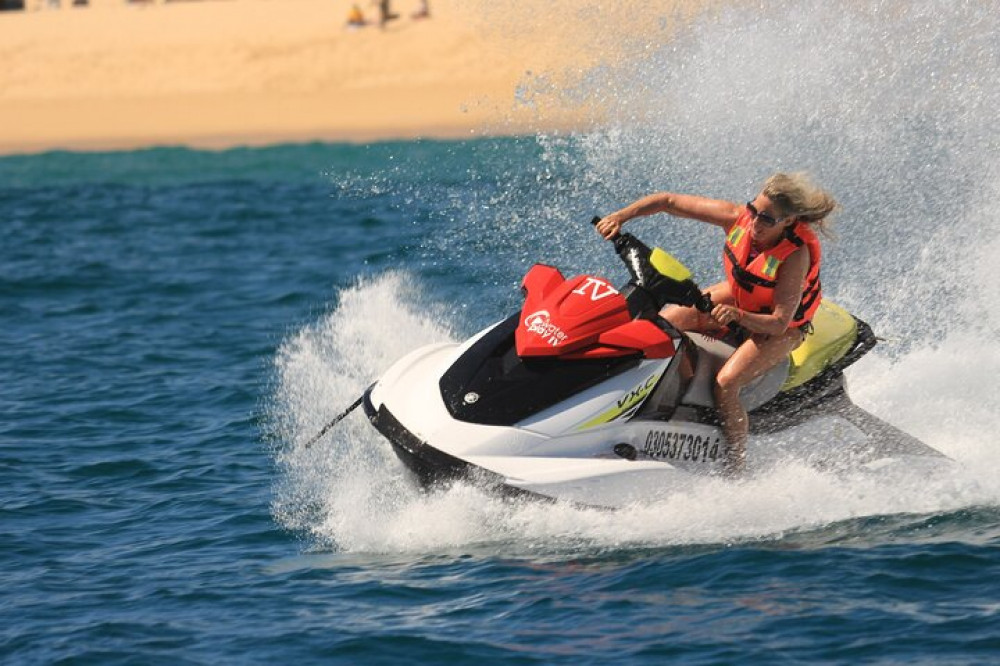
[[538, 323]]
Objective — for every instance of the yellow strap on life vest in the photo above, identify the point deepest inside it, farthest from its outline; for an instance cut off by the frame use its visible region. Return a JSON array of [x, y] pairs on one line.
[[735, 235], [771, 267]]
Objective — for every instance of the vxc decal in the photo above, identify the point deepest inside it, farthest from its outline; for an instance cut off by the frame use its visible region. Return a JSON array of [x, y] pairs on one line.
[[538, 323], [626, 405], [598, 289], [638, 393]]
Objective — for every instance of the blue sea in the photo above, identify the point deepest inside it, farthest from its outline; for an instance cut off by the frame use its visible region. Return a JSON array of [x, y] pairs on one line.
[[176, 323]]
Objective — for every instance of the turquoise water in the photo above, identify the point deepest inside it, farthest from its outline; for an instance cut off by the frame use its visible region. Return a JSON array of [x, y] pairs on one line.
[[177, 322]]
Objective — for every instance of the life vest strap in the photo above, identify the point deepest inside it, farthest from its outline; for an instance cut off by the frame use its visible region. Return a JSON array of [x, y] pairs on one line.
[[808, 298], [795, 239]]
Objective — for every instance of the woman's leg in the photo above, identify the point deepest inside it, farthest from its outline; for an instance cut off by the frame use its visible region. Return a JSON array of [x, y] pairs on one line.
[[750, 360], [690, 319]]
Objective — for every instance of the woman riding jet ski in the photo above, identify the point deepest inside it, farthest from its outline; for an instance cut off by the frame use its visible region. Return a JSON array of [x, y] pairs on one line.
[[589, 395], [772, 288]]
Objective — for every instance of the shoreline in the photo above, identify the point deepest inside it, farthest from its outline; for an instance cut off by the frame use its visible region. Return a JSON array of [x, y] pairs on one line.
[[227, 73], [106, 125]]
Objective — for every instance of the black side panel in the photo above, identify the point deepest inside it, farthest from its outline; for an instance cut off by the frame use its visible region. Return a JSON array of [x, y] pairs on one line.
[[432, 466], [429, 464], [492, 385]]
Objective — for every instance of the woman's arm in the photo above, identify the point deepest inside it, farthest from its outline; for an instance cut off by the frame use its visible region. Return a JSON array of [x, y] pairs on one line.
[[787, 296], [713, 211]]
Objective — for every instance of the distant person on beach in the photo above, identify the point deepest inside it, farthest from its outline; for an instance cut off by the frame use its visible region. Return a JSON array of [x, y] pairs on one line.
[[356, 18], [423, 11], [385, 13]]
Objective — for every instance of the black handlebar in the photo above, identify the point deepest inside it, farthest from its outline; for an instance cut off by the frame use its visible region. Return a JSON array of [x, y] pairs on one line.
[[648, 290], [656, 289]]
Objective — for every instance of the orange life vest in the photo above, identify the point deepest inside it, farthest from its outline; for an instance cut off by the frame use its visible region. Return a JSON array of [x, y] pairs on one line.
[[752, 281]]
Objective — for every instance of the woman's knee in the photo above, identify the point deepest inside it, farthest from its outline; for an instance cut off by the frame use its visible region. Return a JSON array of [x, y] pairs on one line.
[[728, 380]]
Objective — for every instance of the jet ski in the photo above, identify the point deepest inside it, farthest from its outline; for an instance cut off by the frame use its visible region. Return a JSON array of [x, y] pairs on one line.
[[587, 395]]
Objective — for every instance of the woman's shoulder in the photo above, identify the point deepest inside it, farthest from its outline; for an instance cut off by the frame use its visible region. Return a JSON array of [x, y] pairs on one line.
[[738, 215], [805, 232]]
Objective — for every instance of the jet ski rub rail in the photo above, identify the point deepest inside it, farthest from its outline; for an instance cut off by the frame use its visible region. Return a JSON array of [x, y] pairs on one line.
[[432, 466]]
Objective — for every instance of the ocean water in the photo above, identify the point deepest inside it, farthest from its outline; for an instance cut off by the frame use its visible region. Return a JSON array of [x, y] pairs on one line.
[[177, 322]]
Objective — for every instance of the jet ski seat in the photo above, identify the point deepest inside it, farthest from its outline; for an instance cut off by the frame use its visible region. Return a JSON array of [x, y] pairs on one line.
[[834, 334], [711, 354]]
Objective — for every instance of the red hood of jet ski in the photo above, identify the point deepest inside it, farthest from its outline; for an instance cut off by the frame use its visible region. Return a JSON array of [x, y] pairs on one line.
[[582, 317]]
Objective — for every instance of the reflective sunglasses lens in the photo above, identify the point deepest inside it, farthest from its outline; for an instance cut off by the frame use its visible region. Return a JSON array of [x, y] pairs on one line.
[[764, 218]]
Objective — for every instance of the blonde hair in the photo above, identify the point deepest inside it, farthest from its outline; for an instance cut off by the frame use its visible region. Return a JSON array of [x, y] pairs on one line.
[[794, 194]]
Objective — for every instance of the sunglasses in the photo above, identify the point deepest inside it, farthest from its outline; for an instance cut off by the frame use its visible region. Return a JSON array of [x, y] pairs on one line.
[[763, 218]]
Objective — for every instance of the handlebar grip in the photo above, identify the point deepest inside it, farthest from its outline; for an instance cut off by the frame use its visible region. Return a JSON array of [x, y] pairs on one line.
[[705, 305], [598, 218]]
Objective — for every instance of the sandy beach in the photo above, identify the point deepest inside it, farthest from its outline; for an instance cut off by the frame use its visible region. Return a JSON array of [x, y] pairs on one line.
[[217, 73]]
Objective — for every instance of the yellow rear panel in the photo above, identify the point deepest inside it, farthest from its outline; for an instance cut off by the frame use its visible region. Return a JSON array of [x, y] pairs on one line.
[[834, 333]]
